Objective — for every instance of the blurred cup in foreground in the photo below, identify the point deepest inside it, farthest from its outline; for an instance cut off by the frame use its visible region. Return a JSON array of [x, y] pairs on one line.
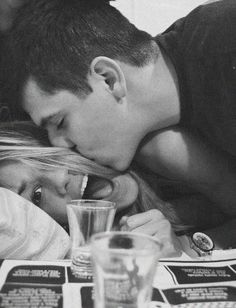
[[124, 265], [87, 217]]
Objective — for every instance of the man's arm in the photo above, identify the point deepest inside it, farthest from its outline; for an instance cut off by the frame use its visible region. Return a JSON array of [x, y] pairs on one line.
[[223, 237], [178, 155], [153, 223]]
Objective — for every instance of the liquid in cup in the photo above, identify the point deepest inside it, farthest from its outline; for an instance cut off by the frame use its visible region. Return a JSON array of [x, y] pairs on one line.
[[124, 265], [87, 217]]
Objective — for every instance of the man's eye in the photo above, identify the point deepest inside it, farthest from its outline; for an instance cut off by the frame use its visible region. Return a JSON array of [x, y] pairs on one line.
[[60, 124], [37, 195]]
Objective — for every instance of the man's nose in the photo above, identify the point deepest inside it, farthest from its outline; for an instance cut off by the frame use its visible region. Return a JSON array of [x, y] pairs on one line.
[[60, 140]]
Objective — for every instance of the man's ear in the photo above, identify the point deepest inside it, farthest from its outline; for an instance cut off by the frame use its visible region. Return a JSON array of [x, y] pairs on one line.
[[113, 76]]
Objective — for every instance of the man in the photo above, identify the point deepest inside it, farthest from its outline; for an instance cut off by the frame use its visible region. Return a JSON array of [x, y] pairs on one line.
[[114, 93]]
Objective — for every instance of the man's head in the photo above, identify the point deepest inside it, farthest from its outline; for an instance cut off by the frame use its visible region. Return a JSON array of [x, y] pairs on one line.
[[68, 50]]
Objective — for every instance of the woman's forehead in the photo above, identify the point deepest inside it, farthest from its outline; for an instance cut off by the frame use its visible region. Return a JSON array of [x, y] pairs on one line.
[[13, 173]]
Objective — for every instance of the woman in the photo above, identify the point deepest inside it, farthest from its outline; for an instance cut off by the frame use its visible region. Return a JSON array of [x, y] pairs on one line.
[[49, 177], [27, 232]]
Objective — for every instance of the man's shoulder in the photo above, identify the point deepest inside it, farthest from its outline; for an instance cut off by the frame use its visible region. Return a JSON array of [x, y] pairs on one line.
[[211, 28]]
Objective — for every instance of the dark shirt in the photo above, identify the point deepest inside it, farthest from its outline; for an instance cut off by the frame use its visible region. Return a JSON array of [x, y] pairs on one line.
[[202, 47]]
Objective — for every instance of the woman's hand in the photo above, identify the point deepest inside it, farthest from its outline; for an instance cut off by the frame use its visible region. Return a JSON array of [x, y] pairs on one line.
[[153, 223]]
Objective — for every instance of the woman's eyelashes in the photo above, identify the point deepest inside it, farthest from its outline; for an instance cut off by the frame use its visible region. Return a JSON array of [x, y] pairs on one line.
[[37, 196]]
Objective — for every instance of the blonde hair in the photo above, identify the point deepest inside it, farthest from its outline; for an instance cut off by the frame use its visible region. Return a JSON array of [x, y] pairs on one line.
[[26, 143]]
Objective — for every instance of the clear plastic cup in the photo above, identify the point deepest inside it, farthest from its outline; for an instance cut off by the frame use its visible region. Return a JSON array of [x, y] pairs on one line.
[[124, 265], [87, 217]]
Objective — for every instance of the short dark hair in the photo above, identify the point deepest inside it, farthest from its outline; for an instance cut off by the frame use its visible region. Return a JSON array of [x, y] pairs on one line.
[[54, 42]]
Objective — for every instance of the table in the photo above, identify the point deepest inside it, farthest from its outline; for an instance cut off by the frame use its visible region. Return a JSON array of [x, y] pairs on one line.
[[179, 281]]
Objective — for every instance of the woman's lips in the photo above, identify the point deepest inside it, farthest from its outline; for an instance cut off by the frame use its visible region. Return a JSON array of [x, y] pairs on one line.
[[113, 192], [76, 186], [104, 192]]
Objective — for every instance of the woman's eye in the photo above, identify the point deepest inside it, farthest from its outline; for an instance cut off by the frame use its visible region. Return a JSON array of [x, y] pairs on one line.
[[37, 194]]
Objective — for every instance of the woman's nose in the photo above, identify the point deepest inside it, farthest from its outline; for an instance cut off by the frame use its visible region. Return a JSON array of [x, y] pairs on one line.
[[61, 181]]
